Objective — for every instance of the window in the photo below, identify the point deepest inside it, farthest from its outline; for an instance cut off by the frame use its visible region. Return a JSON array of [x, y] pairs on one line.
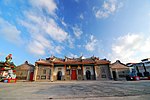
[[38, 77], [103, 76], [79, 72], [44, 71], [43, 77], [50, 72]]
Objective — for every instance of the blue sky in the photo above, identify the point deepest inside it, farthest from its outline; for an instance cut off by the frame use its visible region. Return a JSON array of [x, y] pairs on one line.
[[112, 29]]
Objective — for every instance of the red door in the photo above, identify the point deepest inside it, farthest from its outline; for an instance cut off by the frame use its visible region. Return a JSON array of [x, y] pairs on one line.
[[31, 76], [74, 75]]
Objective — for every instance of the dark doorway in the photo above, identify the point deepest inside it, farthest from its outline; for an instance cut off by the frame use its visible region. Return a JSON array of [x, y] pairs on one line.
[[59, 75], [114, 75], [88, 75], [49, 74]]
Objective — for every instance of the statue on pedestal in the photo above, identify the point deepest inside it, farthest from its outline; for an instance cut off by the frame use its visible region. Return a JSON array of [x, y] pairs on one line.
[[6, 70], [8, 59]]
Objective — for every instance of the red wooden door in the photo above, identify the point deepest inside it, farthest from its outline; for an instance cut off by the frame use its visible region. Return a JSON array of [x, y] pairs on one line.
[[31, 76], [74, 75]]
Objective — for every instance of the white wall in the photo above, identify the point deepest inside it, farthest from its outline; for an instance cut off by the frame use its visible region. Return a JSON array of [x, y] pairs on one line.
[[90, 69], [56, 70], [147, 65]]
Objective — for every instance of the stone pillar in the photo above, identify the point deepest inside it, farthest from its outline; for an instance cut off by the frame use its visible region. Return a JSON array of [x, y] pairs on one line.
[[146, 73], [35, 71], [52, 73], [65, 72], [117, 76], [82, 72], [111, 75], [28, 75], [95, 72], [70, 72]]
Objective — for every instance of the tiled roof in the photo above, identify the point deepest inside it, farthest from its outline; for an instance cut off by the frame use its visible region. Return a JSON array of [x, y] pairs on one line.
[[67, 60], [25, 67], [118, 65], [43, 62], [102, 62]]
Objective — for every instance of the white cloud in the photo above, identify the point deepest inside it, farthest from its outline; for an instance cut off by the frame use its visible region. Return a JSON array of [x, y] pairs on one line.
[[131, 48], [36, 48], [43, 29], [71, 55], [49, 5], [39, 45], [63, 23], [41, 24], [71, 41], [81, 16], [58, 49], [91, 44], [109, 7], [79, 46], [101, 14], [55, 31], [10, 32], [77, 31]]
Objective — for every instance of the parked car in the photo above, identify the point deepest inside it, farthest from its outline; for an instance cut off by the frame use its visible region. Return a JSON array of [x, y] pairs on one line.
[[132, 78]]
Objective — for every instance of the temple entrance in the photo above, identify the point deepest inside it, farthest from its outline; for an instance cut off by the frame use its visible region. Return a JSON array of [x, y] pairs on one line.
[[59, 75], [114, 75], [49, 74], [31, 76], [88, 75], [74, 75]]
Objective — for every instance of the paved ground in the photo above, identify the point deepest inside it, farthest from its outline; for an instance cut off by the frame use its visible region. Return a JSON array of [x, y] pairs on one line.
[[76, 90]]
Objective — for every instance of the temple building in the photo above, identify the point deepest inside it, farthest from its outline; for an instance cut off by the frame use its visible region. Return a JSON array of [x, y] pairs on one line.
[[25, 71], [53, 69], [119, 71]]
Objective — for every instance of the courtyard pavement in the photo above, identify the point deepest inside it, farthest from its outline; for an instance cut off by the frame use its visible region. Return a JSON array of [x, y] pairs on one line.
[[76, 90]]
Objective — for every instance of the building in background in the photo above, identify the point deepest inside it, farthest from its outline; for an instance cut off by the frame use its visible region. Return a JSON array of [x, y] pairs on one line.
[[25, 71], [54, 68], [119, 71], [142, 69]]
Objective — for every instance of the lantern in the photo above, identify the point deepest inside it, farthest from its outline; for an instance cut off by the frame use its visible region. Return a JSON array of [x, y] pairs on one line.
[[69, 67], [79, 67]]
